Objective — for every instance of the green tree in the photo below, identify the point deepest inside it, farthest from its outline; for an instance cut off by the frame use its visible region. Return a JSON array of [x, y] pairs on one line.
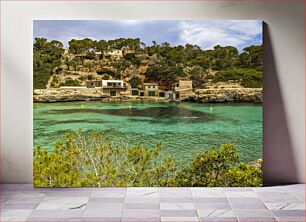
[[75, 63], [46, 57], [101, 45], [252, 57], [175, 54], [224, 57], [154, 49], [68, 63], [198, 76], [201, 61], [135, 81], [164, 73], [81, 46], [155, 72], [132, 58], [192, 51]]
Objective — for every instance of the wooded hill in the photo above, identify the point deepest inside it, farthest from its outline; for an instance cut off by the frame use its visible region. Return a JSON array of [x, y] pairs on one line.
[[162, 63]]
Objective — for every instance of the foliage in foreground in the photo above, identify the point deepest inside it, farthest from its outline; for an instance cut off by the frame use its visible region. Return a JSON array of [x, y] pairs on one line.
[[91, 160], [219, 167]]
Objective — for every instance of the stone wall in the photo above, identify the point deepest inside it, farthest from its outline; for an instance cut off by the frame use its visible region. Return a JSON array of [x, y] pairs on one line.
[[84, 94]]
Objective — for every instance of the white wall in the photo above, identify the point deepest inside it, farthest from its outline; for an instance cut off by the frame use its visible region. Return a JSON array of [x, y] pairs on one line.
[[284, 106]]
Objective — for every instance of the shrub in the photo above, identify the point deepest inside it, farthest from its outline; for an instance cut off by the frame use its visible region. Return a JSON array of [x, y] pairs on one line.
[[41, 76], [107, 71], [209, 168], [130, 56], [250, 77], [244, 175], [91, 160], [219, 167], [70, 82], [133, 58], [106, 77], [82, 78], [135, 81], [58, 70]]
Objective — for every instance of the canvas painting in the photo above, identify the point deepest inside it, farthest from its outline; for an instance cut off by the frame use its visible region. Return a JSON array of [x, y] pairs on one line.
[[147, 103]]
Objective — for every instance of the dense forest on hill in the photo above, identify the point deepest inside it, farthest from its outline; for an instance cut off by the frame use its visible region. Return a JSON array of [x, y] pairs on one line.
[[163, 62]]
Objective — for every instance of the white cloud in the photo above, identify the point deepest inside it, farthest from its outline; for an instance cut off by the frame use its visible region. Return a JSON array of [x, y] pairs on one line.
[[130, 22], [216, 32], [205, 33]]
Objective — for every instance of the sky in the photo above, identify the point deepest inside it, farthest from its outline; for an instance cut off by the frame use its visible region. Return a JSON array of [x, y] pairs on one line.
[[204, 33]]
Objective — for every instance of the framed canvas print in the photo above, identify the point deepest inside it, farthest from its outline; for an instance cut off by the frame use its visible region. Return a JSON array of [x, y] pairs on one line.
[[122, 103]]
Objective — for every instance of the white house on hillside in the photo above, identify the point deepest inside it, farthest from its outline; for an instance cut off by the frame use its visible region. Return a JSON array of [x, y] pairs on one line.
[[113, 54], [110, 87]]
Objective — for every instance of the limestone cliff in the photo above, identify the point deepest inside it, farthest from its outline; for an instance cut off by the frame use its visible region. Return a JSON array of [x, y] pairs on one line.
[[72, 73]]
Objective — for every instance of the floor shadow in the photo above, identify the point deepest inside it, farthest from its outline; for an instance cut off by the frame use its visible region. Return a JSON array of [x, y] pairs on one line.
[[279, 164]]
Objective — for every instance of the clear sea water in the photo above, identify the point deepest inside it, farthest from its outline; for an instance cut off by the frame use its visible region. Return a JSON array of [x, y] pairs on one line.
[[183, 129]]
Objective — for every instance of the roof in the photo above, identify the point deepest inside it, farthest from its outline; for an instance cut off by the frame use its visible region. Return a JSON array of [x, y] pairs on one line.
[[150, 84]]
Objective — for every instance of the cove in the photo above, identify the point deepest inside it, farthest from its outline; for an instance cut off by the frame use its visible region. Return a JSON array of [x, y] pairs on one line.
[[183, 129]]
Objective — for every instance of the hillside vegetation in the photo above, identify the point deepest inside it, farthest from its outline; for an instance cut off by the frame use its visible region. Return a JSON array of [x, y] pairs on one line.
[[162, 63]]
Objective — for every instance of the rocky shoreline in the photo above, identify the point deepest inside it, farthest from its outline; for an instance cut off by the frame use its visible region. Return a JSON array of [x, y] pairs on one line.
[[219, 95], [222, 92], [241, 95]]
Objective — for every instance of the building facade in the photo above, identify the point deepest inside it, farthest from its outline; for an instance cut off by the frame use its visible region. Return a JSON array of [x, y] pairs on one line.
[[115, 54], [115, 87], [110, 87], [182, 89], [149, 89], [93, 84], [179, 90]]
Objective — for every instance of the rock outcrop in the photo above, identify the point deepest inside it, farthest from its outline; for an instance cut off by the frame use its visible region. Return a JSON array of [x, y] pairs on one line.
[[83, 94], [230, 91], [65, 95]]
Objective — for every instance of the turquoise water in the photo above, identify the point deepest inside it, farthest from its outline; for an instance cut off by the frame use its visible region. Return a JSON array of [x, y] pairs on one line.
[[183, 129]]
